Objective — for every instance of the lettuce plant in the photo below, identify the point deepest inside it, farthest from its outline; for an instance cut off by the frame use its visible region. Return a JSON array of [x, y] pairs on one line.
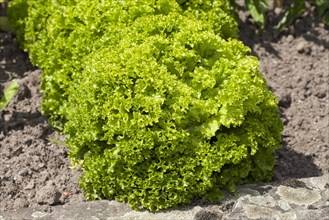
[[158, 98]]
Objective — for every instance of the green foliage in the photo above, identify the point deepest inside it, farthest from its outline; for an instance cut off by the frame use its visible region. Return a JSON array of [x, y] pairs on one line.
[[8, 94], [257, 9], [322, 7], [296, 10], [299, 7], [158, 98]]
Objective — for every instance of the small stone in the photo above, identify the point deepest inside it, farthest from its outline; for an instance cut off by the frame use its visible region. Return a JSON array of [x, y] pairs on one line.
[[290, 38], [39, 214], [277, 10], [285, 100], [299, 196], [23, 172], [321, 182], [307, 93], [30, 185], [284, 205], [321, 94], [7, 117], [266, 201], [301, 47], [41, 165], [18, 151], [259, 212]]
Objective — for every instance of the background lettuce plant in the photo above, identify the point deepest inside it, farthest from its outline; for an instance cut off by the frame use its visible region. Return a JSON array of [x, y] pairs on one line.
[[259, 8], [158, 98]]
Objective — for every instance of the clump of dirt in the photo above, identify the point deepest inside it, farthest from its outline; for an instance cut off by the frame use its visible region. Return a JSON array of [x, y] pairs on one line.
[[35, 169]]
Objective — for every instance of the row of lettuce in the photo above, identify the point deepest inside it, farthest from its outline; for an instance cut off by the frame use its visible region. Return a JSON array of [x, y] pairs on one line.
[[157, 97]]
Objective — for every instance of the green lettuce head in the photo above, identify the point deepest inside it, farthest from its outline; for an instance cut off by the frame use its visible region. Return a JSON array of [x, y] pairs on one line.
[[157, 97], [172, 113]]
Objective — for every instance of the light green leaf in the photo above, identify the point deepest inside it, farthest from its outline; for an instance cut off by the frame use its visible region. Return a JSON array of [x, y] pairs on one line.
[[58, 142], [9, 94], [257, 9]]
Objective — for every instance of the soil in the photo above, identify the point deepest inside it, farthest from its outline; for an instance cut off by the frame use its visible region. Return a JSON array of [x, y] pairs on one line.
[[35, 171]]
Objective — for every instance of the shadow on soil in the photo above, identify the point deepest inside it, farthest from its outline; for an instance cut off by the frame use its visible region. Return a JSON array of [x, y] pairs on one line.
[[291, 164], [19, 120], [10, 57]]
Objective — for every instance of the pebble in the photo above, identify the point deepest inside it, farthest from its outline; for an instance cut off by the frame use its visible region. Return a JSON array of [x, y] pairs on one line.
[[30, 185], [277, 10], [300, 47], [303, 48], [290, 38], [321, 94], [285, 100]]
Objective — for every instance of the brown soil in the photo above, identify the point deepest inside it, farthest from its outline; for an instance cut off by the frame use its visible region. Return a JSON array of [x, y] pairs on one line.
[[35, 169]]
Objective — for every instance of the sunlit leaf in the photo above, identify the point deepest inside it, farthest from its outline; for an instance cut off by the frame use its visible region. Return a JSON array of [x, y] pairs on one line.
[[257, 9], [9, 93]]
